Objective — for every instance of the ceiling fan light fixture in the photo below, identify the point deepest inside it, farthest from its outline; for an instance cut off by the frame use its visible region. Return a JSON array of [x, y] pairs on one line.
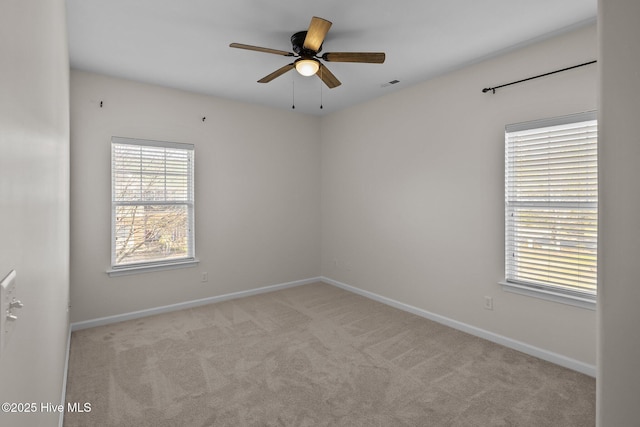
[[307, 67], [307, 45]]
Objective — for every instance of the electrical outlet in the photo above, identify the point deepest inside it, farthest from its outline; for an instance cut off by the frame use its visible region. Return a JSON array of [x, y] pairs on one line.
[[342, 265], [205, 277], [488, 303]]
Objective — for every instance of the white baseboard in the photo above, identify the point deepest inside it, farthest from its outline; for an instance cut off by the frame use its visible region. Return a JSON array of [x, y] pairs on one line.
[[549, 356], [76, 326]]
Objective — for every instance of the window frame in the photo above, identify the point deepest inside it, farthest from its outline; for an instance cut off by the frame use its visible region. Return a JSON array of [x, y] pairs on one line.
[[546, 291], [190, 259]]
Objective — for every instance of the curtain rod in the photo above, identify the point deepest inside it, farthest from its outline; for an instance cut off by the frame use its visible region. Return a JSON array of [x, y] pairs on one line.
[[493, 89]]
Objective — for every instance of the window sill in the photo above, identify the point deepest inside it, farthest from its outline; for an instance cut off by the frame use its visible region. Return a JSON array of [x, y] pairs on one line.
[[548, 295], [137, 269]]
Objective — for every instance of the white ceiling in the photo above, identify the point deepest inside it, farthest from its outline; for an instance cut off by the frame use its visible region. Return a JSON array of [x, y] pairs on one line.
[[185, 43]]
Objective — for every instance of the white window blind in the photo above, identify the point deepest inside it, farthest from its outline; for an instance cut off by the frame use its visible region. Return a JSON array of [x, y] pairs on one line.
[[551, 210], [152, 202]]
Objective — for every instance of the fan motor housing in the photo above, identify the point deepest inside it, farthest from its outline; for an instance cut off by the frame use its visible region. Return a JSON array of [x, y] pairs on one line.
[[297, 43]]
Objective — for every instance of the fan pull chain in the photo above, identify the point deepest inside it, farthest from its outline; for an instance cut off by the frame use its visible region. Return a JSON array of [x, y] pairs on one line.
[[321, 82], [293, 92]]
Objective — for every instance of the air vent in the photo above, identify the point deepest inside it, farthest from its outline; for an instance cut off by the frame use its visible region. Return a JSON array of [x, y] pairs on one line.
[[392, 82]]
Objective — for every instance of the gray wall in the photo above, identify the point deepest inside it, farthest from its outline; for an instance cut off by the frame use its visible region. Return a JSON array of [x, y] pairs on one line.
[[257, 193], [413, 192], [619, 259], [34, 200]]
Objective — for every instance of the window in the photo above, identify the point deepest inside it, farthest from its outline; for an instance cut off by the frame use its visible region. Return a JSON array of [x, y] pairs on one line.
[[152, 204], [551, 206]]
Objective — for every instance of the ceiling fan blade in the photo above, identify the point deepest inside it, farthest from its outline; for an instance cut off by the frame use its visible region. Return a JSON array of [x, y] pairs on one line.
[[261, 49], [327, 77], [367, 57], [276, 73], [318, 29]]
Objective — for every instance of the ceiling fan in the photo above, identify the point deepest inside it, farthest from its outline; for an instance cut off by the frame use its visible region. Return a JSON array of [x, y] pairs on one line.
[[307, 45]]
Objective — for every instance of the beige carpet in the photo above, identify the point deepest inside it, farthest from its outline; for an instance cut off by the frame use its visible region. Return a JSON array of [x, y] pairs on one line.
[[313, 355]]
